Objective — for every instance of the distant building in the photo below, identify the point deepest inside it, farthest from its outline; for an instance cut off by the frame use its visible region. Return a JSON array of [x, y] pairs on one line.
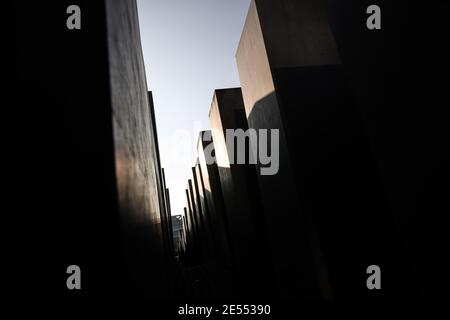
[[177, 228]]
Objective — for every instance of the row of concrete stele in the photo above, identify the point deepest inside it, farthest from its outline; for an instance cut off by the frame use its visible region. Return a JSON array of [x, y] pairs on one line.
[[361, 159], [336, 92]]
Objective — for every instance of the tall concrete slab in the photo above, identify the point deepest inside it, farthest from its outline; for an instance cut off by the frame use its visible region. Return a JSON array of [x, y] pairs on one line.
[[203, 213], [169, 212], [240, 192], [133, 121], [92, 187], [397, 77], [321, 204], [195, 249], [187, 229], [190, 219], [198, 225], [193, 189], [214, 199], [166, 217], [160, 176], [193, 210]]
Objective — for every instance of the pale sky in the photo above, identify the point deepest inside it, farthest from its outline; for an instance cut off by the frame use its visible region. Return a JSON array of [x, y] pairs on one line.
[[189, 50]]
